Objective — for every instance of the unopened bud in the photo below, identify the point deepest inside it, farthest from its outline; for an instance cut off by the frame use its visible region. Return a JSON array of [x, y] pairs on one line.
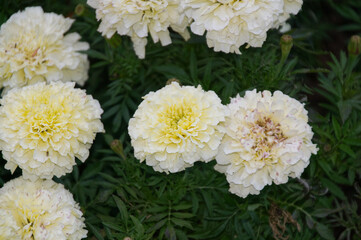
[[79, 9], [286, 46], [127, 238], [354, 46], [117, 147], [170, 81]]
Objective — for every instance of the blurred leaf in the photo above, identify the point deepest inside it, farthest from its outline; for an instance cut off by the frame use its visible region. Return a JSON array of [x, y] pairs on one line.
[[333, 188]]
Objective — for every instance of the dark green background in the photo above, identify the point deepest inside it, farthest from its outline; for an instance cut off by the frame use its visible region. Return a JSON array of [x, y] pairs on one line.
[[121, 197]]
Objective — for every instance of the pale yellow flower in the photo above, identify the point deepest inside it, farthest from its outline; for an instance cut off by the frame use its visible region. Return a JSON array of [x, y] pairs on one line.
[[267, 139], [138, 18], [44, 127], [177, 126], [33, 48], [42, 210], [289, 7], [230, 24]]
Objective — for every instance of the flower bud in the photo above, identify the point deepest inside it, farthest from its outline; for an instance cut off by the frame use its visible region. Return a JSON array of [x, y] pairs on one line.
[[354, 46], [117, 147], [286, 46], [173, 80], [79, 9]]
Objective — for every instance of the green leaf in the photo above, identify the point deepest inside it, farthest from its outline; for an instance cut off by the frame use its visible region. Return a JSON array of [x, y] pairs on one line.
[[157, 209], [181, 223], [95, 54], [182, 207], [182, 215], [353, 141], [113, 226], [351, 175], [95, 231], [195, 202], [181, 235], [345, 109], [193, 66], [336, 128], [310, 223], [170, 233], [333, 188], [323, 212], [157, 217], [325, 166], [214, 232], [208, 201], [76, 173], [157, 226], [109, 178], [253, 207], [207, 77], [138, 226], [122, 208], [173, 71], [324, 231], [91, 171], [347, 150], [109, 233]]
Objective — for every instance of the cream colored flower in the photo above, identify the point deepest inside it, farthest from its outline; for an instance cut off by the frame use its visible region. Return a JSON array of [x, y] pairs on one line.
[[44, 127], [232, 23], [33, 48], [42, 210], [289, 7], [267, 139], [177, 126], [137, 18]]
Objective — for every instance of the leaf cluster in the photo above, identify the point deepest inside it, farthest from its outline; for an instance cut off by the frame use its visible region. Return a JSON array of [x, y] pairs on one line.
[[121, 197]]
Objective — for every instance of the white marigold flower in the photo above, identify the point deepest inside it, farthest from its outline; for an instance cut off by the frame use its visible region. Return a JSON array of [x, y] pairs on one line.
[[44, 127], [33, 48], [177, 126], [39, 210], [289, 7], [232, 23], [135, 18], [267, 139]]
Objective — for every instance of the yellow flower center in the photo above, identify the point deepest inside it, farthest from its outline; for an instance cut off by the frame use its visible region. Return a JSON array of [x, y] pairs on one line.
[[150, 9], [44, 121], [27, 219], [224, 2], [178, 120], [43, 117], [265, 134], [28, 47]]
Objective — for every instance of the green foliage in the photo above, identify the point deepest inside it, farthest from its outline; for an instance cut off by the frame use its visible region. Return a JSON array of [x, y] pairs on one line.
[[121, 197]]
